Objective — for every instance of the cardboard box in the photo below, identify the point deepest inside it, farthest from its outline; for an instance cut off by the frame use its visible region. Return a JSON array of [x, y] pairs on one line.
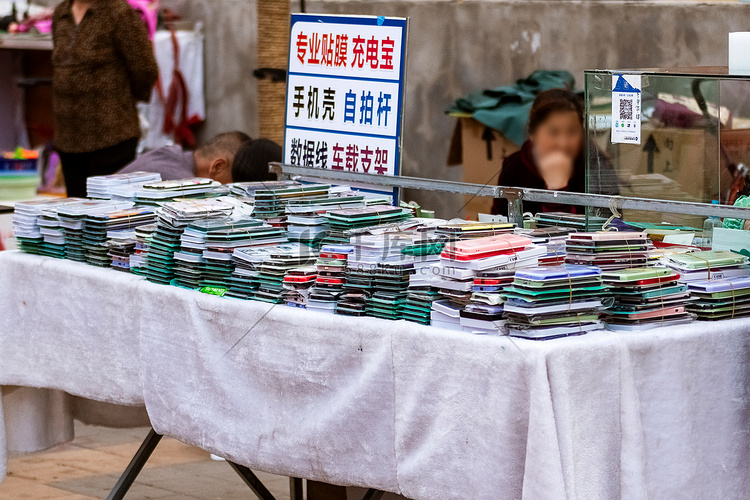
[[670, 164], [479, 151]]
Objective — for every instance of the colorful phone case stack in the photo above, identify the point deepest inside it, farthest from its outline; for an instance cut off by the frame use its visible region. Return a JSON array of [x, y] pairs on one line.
[[720, 298], [646, 298], [550, 302], [610, 250]]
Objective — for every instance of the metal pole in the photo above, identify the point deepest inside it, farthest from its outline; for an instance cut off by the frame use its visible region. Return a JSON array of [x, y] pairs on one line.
[[525, 194], [295, 488], [252, 481], [136, 465], [373, 495]]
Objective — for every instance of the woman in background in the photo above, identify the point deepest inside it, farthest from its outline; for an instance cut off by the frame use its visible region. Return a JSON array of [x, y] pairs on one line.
[[103, 64], [554, 155]]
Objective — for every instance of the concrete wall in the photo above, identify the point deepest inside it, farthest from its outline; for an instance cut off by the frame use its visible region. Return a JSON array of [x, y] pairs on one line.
[[459, 46]]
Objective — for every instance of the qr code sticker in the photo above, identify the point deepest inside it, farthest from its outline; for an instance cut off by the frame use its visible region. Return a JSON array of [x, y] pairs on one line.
[[626, 109]]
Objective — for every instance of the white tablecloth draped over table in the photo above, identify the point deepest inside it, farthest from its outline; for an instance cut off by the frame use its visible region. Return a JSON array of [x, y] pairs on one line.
[[66, 326], [428, 413]]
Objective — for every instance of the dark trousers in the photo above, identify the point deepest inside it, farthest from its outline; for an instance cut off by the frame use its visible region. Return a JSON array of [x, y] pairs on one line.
[[77, 167]]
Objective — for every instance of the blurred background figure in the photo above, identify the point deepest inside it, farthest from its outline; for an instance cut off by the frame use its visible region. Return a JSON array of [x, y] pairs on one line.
[[251, 162], [216, 159], [103, 64]]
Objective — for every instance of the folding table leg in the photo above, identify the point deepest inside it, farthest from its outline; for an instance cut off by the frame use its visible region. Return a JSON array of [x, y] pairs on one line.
[[252, 481], [295, 488], [373, 495], [135, 466]]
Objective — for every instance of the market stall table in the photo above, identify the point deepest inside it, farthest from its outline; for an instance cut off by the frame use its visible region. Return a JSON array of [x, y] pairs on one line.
[[424, 412]]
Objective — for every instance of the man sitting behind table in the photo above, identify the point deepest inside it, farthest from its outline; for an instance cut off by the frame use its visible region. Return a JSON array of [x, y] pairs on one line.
[[213, 160]]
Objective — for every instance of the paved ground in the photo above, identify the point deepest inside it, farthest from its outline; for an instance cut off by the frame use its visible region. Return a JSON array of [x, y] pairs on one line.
[[89, 467]]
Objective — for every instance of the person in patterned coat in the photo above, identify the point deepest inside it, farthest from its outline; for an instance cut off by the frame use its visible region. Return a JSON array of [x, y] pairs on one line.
[[103, 64]]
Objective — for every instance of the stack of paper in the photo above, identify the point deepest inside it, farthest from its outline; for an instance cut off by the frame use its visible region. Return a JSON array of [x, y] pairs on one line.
[[609, 250], [645, 298], [720, 298], [711, 265], [26, 221], [101, 186], [550, 302]]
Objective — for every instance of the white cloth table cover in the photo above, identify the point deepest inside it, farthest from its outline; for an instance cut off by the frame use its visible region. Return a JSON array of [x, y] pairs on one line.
[[68, 326], [429, 413]]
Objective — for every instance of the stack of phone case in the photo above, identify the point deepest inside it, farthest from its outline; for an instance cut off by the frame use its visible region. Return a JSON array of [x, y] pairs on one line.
[[64, 225], [95, 237], [553, 238], [272, 273], [423, 289], [446, 314], [259, 271], [140, 254], [331, 267], [646, 298], [248, 189], [609, 250], [271, 203], [101, 186], [711, 265], [720, 298], [474, 273], [577, 222], [247, 261], [550, 302], [220, 245], [158, 192], [341, 222], [190, 261], [173, 218], [470, 230], [461, 261], [26, 217], [297, 284]]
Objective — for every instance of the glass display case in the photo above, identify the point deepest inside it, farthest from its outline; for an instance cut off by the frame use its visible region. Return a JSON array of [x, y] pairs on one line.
[[694, 142]]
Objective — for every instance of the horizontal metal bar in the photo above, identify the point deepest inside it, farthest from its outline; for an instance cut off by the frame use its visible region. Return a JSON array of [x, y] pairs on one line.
[[526, 194], [384, 180]]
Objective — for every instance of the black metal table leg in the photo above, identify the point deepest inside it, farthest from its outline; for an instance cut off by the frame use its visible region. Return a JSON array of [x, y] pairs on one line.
[[252, 481], [135, 466], [295, 488], [373, 495]]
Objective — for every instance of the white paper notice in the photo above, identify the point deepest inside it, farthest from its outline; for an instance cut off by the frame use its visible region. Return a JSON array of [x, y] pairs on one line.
[[626, 109]]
